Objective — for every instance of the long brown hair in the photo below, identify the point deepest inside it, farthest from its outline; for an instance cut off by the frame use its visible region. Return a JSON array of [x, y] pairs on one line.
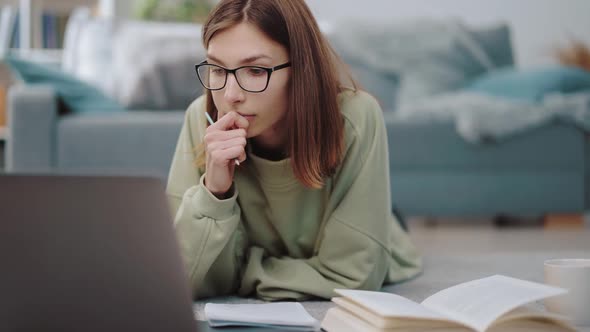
[[314, 122]]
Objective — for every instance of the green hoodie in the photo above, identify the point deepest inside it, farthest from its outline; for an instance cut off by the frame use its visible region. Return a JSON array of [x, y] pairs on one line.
[[278, 240]]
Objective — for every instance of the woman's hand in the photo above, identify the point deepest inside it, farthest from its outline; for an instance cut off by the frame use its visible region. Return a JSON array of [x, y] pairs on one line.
[[225, 140]]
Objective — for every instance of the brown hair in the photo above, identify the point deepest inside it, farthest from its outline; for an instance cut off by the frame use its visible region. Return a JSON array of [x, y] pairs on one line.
[[315, 123]]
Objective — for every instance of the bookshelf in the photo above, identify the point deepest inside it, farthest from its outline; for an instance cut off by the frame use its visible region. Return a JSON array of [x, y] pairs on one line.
[[41, 23], [31, 43]]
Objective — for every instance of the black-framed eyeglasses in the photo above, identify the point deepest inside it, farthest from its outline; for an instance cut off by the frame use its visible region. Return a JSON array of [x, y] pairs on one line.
[[249, 78]]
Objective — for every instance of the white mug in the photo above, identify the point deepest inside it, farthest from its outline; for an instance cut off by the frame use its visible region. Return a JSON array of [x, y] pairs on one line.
[[573, 275]]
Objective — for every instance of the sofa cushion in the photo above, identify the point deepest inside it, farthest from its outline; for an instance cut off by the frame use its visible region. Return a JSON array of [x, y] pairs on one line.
[[155, 62], [141, 64], [88, 53], [382, 86], [435, 172], [78, 96], [496, 41], [429, 56], [531, 84], [140, 142]]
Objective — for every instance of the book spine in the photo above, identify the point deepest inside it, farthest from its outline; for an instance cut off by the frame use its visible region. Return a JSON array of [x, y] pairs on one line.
[[50, 30], [52, 42], [62, 21], [15, 43], [44, 30]]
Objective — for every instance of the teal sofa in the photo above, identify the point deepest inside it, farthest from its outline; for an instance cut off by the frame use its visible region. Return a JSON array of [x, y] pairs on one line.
[[434, 172]]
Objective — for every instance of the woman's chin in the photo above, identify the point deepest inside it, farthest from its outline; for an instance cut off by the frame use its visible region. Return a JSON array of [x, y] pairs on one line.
[[250, 133]]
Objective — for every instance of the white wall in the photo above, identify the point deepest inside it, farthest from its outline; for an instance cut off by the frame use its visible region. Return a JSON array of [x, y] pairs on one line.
[[538, 26], [114, 8]]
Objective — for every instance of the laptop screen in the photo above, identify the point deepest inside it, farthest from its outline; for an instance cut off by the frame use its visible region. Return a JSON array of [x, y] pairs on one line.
[[84, 253]]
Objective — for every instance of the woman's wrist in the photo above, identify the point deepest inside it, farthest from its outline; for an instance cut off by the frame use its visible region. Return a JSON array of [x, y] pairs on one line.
[[226, 195], [220, 194]]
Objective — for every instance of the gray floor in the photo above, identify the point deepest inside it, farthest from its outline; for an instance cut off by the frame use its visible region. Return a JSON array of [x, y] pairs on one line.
[[460, 251], [456, 251], [480, 236]]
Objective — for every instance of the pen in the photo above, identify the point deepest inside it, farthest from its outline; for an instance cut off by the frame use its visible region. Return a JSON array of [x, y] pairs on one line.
[[211, 122]]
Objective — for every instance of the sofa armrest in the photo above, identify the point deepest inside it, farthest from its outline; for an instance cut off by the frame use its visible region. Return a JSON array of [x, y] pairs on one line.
[[587, 173], [32, 116]]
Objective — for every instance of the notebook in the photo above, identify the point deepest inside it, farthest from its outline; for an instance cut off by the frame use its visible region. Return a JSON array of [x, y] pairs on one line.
[[287, 316]]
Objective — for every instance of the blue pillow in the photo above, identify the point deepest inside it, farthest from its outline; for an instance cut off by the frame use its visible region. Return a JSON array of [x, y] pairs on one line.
[[78, 96], [531, 84]]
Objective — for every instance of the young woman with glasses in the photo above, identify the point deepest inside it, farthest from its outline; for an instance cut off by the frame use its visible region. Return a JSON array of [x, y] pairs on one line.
[[286, 195]]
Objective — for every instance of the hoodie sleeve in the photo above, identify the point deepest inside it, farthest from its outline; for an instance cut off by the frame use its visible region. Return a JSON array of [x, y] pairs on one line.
[[209, 231]]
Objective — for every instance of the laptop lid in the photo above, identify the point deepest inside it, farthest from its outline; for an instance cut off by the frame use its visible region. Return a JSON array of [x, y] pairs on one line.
[[84, 253]]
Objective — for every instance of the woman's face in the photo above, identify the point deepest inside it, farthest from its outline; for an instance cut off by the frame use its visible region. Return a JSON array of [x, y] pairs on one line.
[[243, 45]]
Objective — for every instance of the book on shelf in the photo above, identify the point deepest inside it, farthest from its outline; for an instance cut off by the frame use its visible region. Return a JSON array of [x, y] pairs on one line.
[[52, 30], [3, 91], [15, 38], [496, 303]]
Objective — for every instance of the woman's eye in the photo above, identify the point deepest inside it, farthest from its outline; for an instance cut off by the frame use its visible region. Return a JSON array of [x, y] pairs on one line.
[[217, 71], [253, 71]]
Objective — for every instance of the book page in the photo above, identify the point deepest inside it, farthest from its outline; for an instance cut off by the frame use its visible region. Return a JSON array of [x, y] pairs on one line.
[[389, 305], [480, 302], [338, 320], [530, 313], [389, 322]]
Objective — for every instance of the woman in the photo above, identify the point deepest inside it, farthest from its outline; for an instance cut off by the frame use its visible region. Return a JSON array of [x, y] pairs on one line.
[[286, 195]]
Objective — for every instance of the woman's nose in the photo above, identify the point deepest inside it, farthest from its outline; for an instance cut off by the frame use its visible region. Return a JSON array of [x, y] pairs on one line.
[[233, 91]]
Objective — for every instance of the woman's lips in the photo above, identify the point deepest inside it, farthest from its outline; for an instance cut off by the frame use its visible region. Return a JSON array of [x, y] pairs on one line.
[[248, 117]]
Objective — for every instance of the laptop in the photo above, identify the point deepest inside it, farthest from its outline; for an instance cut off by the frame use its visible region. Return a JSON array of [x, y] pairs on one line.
[[84, 253]]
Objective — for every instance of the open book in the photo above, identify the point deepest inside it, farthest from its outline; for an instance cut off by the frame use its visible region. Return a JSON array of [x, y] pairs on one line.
[[286, 316], [495, 303]]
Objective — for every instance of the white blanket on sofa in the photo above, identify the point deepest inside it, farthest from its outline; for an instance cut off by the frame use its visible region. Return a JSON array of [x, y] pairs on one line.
[[481, 118], [435, 58]]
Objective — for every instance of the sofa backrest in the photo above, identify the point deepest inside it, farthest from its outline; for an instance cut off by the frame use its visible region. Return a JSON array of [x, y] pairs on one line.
[[149, 65], [537, 26], [402, 61]]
